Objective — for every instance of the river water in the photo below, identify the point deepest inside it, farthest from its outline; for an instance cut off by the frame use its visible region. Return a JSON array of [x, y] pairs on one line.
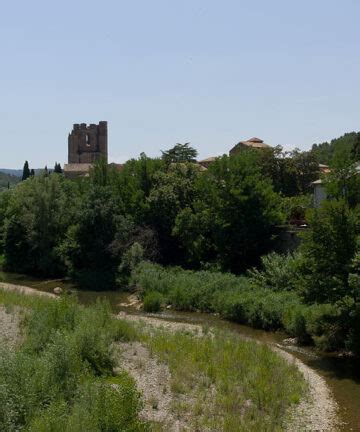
[[341, 374]]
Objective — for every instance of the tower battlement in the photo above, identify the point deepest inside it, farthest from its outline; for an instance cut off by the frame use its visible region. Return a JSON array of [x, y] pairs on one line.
[[88, 143]]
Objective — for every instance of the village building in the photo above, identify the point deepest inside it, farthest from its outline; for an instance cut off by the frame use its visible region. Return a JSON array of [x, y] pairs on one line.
[[252, 143], [319, 185], [205, 163], [86, 145]]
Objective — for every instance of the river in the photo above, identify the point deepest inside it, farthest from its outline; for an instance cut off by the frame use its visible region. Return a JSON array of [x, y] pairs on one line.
[[341, 374]]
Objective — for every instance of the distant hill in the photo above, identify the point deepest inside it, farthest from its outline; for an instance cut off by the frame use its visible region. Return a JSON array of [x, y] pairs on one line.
[[19, 172], [342, 145], [14, 172], [7, 180]]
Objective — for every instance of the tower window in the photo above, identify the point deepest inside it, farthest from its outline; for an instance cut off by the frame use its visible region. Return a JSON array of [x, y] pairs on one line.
[[87, 140]]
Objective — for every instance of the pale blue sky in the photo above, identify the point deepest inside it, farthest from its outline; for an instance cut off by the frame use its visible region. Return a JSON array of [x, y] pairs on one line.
[[205, 71]]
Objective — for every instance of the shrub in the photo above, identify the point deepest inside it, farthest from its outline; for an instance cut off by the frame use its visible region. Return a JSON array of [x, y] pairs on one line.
[[294, 321], [152, 302], [50, 385], [97, 407], [278, 272], [262, 300], [48, 318], [259, 309], [131, 258], [231, 296]]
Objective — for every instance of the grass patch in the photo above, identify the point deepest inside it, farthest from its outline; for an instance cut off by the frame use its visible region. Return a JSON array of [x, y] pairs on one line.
[[15, 298], [228, 384], [152, 301]]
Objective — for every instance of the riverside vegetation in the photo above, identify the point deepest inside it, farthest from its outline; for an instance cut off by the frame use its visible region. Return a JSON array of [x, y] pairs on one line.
[[103, 232], [61, 378], [58, 380]]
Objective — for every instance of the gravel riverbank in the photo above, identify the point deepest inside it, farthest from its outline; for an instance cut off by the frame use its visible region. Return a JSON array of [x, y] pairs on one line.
[[25, 290], [318, 412]]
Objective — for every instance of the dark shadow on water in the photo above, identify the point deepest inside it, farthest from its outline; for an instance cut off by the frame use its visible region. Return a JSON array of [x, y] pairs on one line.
[[337, 368]]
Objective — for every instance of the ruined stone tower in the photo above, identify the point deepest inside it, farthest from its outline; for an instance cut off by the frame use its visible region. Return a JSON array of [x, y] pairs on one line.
[[88, 144]]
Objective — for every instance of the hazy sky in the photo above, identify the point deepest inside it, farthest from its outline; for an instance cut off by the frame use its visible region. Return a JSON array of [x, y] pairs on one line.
[[210, 72]]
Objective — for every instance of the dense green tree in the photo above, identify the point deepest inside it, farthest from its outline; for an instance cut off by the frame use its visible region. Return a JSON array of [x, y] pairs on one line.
[[345, 144], [37, 216], [355, 150], [344, 180], [26, 171], [4, 204], [292, 172], [233, 215], [100, 173], [328, 250], [296, 207], [87, 248], [172, 191], [179, 153], [134, 184]]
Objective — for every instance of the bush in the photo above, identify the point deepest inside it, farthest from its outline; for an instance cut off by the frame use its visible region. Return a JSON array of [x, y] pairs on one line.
[[294, 321], [263, 301], [152, 302], [50, 384], [278, 272], [259, 309], [131, 258], [97, 407], [233, 297]]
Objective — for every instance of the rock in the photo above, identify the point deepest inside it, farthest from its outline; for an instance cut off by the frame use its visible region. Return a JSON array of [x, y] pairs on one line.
[[290, 341], [57, 290]]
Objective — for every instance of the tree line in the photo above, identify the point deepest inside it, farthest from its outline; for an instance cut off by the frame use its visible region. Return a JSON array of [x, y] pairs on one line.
[[100, 230], [223, 217]]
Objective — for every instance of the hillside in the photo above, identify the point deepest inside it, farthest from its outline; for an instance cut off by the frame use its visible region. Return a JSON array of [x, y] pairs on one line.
[[13, 172], [19, 172], [342, 145]]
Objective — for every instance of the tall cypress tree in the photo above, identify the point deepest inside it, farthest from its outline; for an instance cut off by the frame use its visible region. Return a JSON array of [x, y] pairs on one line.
[[57, 168], [26, 171]]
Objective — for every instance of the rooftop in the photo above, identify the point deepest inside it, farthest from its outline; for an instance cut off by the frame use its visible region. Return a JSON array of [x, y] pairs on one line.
[[255, 143]]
